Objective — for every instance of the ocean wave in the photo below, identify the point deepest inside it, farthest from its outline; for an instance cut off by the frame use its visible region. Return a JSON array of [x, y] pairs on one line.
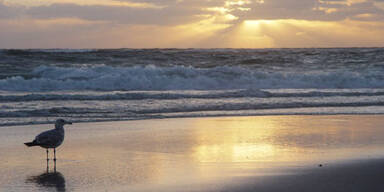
[[63, 112], [167, 95], [148, 108], [38, 86], [253, 106], [107, 78], [159, 95], [361, 110]]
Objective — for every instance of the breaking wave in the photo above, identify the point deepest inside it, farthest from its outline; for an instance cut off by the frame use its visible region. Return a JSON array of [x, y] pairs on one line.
[[41, 85], [108, 78]]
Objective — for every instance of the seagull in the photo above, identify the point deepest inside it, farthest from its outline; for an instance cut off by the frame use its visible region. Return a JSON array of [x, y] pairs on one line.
[[51, 138]]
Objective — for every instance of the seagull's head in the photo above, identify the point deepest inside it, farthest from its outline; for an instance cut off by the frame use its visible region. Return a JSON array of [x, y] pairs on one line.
[[62, 122]]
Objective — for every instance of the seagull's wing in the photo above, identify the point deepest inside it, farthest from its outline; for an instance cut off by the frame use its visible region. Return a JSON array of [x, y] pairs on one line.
[[47, 138]]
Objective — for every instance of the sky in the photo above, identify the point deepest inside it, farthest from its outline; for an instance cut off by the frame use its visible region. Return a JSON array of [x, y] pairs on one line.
[[191, 23]]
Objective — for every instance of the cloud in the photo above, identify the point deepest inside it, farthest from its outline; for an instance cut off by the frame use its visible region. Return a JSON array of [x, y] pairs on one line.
[[124, 15], [175, 12], [319, 10], [166, 12], [7, 12], [75, 33], [290, 33], [191, 23]]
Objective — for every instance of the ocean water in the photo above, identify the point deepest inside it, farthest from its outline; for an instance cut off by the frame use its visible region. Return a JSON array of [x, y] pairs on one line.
[[38, 86]]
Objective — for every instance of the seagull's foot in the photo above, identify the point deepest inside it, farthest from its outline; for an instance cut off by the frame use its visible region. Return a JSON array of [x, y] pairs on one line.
[[47, 159]]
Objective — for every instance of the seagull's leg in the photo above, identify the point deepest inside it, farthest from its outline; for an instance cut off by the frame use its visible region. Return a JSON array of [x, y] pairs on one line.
[[47, 155], [54, 152], [47, 166], [54, 168]]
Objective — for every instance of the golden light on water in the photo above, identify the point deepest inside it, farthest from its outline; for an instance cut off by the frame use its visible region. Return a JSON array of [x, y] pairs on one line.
[[169, 152], [268, 139], [234, 152], [236, 141]]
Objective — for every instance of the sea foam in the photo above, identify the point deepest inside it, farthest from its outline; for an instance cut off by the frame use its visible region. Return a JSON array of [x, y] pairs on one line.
[[107, 78], [38, 86]]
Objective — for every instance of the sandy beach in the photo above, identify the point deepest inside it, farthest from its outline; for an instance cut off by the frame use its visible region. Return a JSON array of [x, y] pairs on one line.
[[260, 153]]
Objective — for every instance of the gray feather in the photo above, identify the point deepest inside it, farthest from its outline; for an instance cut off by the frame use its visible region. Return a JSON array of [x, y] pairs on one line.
[[52, 138]]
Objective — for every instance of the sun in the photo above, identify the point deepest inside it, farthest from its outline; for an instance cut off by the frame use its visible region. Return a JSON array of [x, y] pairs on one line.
[[251, 34], [256, 23]]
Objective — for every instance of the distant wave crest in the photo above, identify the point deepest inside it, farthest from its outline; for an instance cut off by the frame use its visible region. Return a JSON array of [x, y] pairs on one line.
[[167, 95], [108, 78]]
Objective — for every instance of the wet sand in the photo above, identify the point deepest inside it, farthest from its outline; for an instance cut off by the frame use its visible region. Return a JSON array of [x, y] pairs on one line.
[[264, 153]]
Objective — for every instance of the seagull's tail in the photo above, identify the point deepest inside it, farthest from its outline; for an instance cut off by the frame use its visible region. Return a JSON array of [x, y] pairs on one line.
[[30, 144]]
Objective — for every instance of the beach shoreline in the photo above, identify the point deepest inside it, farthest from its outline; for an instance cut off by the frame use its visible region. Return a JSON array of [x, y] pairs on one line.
[[252, 153], [191, 117]]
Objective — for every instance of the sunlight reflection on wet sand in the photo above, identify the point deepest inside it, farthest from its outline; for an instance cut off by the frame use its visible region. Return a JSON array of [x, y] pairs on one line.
[[157, 154]]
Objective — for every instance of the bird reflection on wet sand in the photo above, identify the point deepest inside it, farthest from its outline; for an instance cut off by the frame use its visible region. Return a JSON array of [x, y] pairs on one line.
[[49, 179]]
